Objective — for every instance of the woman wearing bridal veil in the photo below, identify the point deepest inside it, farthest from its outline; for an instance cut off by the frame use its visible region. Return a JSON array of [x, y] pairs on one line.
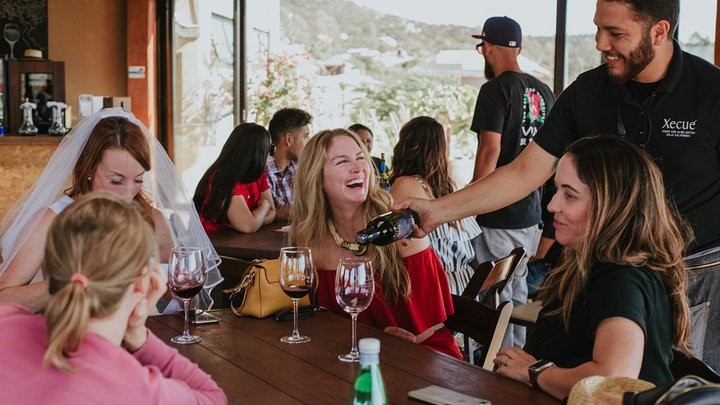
[[110, 150]]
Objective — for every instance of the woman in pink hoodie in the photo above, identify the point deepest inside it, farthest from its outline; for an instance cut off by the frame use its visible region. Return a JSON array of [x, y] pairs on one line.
[[91, 345]]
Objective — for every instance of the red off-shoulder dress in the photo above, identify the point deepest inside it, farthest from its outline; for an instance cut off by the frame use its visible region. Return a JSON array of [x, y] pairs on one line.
[[429, 302]]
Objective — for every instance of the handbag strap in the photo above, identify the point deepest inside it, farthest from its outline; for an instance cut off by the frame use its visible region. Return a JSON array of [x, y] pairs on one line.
[[239, 292]]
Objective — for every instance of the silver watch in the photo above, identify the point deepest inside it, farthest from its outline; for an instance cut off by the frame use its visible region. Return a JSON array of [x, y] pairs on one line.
[[536, 368]]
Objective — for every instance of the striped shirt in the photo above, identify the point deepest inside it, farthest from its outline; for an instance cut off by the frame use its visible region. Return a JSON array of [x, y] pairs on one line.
[[453, 244]]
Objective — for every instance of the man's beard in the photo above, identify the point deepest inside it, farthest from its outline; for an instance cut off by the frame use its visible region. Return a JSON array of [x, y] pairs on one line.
[[489, 72], [638, 60]]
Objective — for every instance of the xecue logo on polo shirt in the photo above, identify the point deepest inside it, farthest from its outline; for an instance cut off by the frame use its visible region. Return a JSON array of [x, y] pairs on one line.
[[678, 128]]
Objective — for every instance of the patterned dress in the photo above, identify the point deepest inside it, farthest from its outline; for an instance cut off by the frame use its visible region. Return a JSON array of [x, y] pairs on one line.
[[453, 244]]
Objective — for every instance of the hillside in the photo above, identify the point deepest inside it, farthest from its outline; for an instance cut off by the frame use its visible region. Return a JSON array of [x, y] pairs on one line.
[[327, 27]]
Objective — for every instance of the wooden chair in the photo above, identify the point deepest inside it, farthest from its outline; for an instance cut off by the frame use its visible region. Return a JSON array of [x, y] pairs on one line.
[[491, 277], [482, 324], [682, 366], [232, 269], [526, 314]]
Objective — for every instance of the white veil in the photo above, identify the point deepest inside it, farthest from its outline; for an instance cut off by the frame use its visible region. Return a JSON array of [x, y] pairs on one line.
[[162, 186]]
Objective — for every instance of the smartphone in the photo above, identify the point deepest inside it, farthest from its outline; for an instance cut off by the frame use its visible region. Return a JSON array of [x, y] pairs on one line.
[[198, 317], [443, 396]]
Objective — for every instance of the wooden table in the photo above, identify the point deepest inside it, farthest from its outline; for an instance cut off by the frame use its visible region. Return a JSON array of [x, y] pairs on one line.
[[263, 244], [247, 359]]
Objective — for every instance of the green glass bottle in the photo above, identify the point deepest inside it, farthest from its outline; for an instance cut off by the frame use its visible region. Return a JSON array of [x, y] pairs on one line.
[[369, 388]]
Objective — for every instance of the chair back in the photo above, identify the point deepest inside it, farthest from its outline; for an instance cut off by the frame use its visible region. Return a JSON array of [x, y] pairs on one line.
[[683, 365], [232, 270], [483, 324], [491, 277]]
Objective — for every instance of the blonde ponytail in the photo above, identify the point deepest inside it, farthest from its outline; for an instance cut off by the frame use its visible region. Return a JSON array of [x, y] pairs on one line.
[[96, 249], [66, 320]]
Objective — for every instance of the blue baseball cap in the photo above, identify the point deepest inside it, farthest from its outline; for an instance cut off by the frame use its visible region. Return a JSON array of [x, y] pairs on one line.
[[501, 31]]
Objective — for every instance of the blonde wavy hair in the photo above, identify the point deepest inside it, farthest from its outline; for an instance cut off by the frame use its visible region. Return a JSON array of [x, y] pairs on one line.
[[108, 241], [630, 222], [310, 211]]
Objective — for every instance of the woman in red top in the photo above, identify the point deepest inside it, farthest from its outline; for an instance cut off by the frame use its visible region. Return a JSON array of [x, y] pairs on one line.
[[336, 194], [234, 191]]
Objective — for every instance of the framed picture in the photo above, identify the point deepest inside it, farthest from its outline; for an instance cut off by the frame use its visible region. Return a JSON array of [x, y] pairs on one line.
[[24, 25]]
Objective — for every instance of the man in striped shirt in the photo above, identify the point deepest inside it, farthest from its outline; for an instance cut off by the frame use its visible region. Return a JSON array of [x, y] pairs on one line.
[[290, 131]]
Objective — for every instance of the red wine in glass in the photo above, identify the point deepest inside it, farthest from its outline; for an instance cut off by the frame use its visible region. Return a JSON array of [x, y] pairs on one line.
[[186, 277], [297, 277], [186, 292], [296, 291]]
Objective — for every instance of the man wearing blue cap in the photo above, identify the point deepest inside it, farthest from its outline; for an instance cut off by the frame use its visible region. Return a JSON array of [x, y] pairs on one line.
[[510, 109]]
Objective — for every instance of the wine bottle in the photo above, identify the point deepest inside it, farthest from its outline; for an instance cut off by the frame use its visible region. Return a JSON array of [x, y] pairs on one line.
[[388, 227], [369, 388]]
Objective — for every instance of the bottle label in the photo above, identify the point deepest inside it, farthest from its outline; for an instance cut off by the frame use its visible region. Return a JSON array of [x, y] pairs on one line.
[[403, 227]]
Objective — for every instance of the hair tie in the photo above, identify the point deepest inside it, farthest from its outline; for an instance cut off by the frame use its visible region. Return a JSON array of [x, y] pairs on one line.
[[79, 278]]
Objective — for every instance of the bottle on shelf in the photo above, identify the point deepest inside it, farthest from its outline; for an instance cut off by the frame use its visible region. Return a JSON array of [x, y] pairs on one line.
[[384, 175], [388, 227], [57, 127], [28, 127], [369, 388]]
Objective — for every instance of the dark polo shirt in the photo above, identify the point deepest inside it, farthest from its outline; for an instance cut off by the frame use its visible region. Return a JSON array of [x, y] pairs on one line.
[[678, 124]]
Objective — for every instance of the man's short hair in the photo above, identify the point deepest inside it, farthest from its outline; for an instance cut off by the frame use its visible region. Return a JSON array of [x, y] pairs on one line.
[[287, 119], [652, 11], [360, 127]]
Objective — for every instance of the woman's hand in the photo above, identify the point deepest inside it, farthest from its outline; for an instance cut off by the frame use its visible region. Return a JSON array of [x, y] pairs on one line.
[[147, 297], [409, 336], [401, 333], [514, 362]]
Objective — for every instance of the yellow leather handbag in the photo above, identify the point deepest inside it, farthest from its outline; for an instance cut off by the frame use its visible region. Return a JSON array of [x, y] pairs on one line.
[[259, 293]]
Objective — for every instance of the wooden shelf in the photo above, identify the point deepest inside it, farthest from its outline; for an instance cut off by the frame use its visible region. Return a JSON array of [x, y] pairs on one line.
[[12, 139]]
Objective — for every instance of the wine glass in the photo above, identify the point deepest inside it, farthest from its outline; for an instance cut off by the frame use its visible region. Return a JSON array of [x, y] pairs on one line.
[[297, 277], [354, 288], [11, 33], [186, 277]]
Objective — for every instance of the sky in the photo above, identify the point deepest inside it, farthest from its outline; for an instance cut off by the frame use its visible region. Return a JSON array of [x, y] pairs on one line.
[[536, 17]]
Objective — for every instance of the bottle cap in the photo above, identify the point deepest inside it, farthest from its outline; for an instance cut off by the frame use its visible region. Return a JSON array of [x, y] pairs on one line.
[[369, 346], [361, 238]]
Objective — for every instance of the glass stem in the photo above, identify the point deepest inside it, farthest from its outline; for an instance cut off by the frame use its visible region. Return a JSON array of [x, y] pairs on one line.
[[296, 332], [186, 331], [354, 333]]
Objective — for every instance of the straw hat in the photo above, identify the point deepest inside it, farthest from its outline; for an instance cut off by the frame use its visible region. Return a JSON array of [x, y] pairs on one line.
[[599, 390]]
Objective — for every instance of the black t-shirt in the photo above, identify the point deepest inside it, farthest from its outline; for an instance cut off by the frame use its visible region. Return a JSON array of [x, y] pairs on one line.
[[515, 105], [678, 124], [635, 293]]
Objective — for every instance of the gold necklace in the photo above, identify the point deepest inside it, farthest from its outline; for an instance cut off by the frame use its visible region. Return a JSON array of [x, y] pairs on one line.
[[356, 248]]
